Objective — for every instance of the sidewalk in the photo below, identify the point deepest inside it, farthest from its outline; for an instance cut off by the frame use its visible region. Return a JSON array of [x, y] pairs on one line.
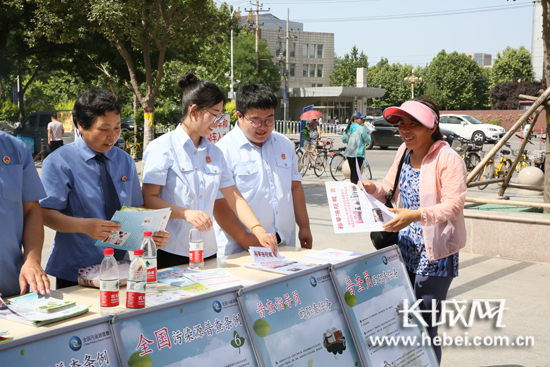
[[525, 286]]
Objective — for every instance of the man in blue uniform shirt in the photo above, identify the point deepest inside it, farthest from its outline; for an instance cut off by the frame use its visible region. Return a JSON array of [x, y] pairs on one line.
[[86, 182], [20, 220], [265, 170]]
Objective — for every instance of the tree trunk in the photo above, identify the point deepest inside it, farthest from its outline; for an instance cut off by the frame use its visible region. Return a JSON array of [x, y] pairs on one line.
[[135, 118], [546, 43]]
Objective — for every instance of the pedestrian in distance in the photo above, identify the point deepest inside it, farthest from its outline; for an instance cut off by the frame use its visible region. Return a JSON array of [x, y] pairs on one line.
[[429, 203], [184, 171], [356, 135], [55, 133], [86, 182], [264, 166]]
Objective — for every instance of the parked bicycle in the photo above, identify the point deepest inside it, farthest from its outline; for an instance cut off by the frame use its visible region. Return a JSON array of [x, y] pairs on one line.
[[315, 157], [469, 151], [490, 170], [135, 150], [336, 162]]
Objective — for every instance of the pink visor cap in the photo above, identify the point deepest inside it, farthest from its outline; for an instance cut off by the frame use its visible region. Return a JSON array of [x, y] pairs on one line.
[[411, 110]]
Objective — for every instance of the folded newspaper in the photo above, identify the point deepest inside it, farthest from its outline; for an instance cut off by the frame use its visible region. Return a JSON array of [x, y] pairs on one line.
[[133, 222], [353, 210], [264, 259]]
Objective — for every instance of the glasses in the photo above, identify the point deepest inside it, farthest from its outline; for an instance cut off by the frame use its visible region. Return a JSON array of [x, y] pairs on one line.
[[217, 117], [257, 123]]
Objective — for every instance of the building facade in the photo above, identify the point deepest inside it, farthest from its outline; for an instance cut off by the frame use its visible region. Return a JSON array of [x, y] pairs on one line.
[[482, 59]]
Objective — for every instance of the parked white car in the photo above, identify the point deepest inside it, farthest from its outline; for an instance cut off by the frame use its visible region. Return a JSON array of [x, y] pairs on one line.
[[470, 128]]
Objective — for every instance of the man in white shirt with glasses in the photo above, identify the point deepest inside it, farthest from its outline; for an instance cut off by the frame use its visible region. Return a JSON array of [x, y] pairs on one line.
[[265, 170]]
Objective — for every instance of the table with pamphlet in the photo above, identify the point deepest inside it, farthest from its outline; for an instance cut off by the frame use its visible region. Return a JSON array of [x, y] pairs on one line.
[[318, 316]]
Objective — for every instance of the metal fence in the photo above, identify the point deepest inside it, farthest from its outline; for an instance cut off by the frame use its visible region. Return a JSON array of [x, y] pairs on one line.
[[293, 127]]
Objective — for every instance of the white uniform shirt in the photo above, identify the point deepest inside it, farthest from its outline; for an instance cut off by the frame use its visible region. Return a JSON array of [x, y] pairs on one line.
[[264, 177], [190, 178]]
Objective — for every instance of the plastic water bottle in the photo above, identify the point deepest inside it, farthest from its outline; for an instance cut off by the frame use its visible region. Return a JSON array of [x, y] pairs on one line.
[[137, 281], [196, 250], [150, 257], [108, 283]]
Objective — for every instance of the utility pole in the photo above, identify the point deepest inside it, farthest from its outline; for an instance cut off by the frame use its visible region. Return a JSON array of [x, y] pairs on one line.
[[257, 35], [257, 30]]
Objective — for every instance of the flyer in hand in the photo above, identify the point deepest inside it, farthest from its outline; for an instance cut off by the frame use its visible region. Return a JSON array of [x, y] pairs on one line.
[[264, 259], [353, 210], [133, 222]]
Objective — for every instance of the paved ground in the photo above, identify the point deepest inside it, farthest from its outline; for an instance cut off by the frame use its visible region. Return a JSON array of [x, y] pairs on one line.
[[525, 286]]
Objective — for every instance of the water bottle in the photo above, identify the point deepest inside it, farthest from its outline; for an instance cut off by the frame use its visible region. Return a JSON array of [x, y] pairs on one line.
[[150, 257], [196, 250], [137, 281], [108, 283]]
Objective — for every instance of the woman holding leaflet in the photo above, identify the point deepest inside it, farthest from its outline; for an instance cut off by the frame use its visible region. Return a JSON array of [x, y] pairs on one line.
[[430, 203], [184, 171]]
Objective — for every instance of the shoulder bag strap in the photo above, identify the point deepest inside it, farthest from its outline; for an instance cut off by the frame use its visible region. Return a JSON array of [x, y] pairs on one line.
[[389, 195]]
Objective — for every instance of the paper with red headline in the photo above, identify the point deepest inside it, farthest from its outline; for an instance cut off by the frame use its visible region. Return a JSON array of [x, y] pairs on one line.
[[353, 210]]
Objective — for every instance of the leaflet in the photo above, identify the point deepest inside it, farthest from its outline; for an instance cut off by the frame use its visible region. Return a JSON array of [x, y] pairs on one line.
[[174, 276], [353, 210], [332, 256], [135, 221], [264, 259], [219, 279], [42, 303]]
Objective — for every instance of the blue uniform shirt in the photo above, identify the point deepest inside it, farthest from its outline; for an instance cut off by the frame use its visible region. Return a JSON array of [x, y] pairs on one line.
[[264, 177], [71, 178], [190, 178], [19, 183]]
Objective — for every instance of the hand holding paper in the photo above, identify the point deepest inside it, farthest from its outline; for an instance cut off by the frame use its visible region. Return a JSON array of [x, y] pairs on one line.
[[403, 219]]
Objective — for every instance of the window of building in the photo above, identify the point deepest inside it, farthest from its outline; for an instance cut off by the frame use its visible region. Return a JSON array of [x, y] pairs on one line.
[[312, 71], [313, 85], [304, 50], [319, 71], [319, 51], [319, 85], [312, 51], [292, 67], [305, 69], [292, 50]]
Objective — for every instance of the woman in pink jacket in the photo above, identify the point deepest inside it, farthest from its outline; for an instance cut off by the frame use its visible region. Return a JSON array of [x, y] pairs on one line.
[[429, 202]]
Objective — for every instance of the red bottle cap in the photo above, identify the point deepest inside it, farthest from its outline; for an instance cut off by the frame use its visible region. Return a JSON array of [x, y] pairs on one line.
[[147, 234], [108, 251], [138, 252]]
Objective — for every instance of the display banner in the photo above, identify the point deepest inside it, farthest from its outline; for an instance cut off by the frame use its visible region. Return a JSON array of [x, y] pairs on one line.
[[297, 320], [204, 330], [372, 289], [89, 344]]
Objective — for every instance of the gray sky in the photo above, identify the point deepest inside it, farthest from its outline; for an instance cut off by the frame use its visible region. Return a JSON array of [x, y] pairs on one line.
[[393, 28]]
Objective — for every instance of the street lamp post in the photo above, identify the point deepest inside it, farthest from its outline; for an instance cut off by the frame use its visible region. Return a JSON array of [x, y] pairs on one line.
[[412, 80], [282, 60], [232, 92]]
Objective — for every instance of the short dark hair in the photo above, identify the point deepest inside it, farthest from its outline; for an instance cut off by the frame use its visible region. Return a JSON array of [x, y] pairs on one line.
[[94, 103], [203, 93], [255, 95], [437, 134], [54, 115]]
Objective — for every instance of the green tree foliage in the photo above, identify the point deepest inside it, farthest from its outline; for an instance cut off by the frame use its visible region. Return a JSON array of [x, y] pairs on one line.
[[345, 68], [513, 65], [454, 81], [244, 56], [144, 33], [391, 78]]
